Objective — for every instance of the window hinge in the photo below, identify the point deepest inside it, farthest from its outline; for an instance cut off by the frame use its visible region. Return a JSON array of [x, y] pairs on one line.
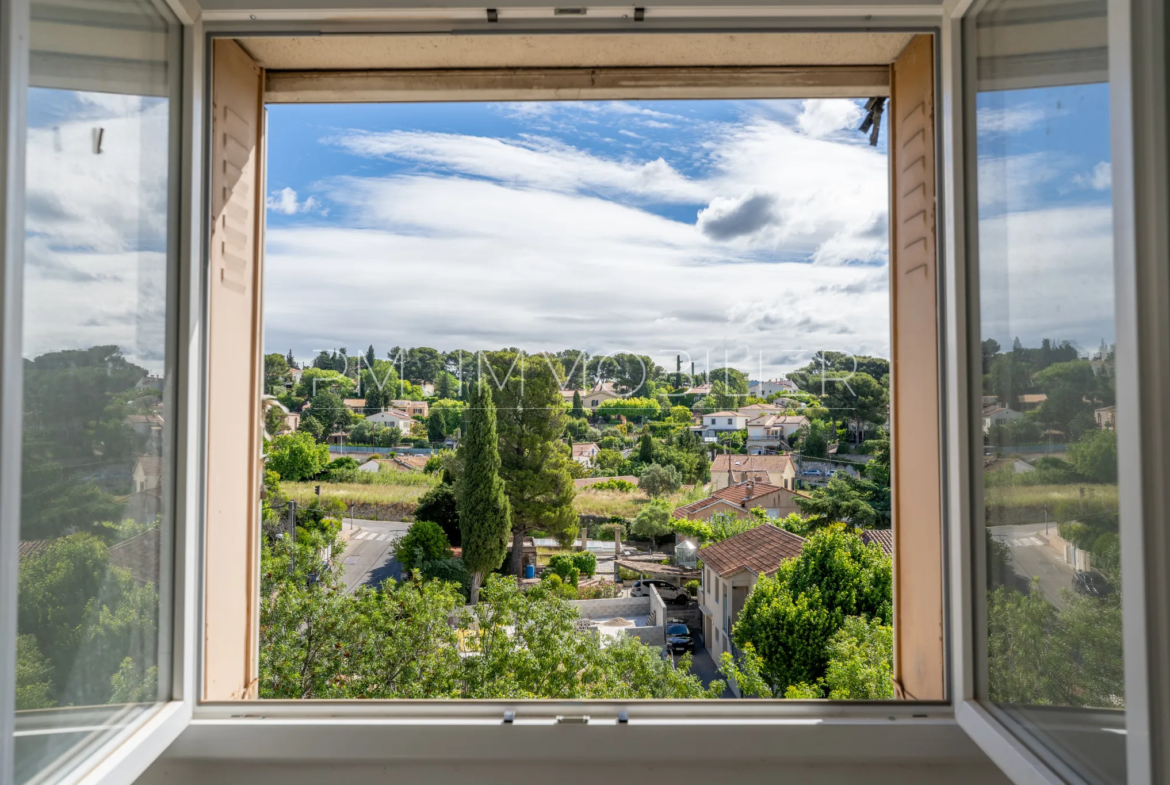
[[623, 717], [574, 719], [509, 717]]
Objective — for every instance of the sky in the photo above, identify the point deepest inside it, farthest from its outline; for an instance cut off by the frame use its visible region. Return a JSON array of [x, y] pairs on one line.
[[749, 233]]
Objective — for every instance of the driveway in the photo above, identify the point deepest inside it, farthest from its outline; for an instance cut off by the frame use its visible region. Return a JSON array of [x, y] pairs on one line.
[[369, 552], [704, 667], [1032, 557]]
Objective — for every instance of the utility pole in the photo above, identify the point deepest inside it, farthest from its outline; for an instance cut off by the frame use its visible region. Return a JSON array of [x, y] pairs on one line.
[[292, 536]]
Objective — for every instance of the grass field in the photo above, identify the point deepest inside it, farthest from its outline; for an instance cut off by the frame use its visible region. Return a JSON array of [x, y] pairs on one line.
[[391, 487], [1016, 504]]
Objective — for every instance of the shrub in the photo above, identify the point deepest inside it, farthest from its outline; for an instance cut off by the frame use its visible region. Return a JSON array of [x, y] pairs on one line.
[[604, 591], [439, 506], [607, 531], [565, 566], [614, 484], [586, 562], [628, 575], [554, 585], [449, 570], [340, 470], [658, 480], [692, 588], [426, 538]]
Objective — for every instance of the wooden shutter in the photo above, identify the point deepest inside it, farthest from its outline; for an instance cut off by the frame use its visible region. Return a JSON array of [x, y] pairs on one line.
[[916, 467], [231, 545]]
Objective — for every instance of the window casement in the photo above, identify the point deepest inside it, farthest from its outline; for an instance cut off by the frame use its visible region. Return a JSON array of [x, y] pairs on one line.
[[931, 83]]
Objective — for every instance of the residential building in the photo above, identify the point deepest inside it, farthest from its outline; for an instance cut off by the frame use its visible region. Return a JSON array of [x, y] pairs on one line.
[[883, 538], [721, 422], [568, 396], [412, 408], [292, 421], [149, 427], [777, 470], [730, 571], [740, 499], [606, 391], [393, 417], [1031, 401], [1106, 417], [699, 389], [770, 433], [771, 387], [292, 377], [147, 472], [997, 415], [355, 405], [584, 453]]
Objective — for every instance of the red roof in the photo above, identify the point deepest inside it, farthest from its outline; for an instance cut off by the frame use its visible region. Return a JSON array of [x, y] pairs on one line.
[[750, 463], [761, 550], [881, 537]]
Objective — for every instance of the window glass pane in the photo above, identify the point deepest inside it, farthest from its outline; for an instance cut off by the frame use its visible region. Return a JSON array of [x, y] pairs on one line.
[[97, 465], [1053, 656]]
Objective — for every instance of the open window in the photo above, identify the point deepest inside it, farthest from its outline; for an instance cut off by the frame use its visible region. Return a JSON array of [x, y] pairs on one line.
[[896, 69]]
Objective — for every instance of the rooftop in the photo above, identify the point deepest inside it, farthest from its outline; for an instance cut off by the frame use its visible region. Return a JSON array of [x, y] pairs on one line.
[[761, 550]]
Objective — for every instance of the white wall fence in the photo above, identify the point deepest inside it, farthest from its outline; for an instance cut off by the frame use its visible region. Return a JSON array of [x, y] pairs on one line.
[[617, 606]]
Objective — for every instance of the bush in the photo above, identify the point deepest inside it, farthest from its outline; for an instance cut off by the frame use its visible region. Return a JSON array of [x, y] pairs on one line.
[[426, 538], [439, 506], [628, 575], [564, 565], [658, 480], [692, 588], [586, 562], [340, 470], [604, 591], [554, 585], [449, 570], [423, 443], [614, 484], [607, 531]]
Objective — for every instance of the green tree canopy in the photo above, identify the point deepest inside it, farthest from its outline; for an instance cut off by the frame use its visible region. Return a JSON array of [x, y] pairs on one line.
[[658, 480], [297, 456], [424, 541], [484, 514], [653, 521]]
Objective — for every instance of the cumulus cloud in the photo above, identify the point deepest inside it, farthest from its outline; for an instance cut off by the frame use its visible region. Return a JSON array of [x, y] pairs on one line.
[[823, 117], [1099, 179], [726, 219], [285, 202], [1007, 119]]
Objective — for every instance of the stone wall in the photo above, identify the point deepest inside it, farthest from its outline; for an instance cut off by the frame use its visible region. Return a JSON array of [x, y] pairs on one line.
[[618, 606]]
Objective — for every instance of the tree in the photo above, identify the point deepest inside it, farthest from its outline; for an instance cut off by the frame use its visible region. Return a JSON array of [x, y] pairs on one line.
[[721, 526], [440, 505], [445, 388], [990, 349], [1095, 456], [297, 456], [275, 372], [312, 426], [484, 514], [531, 422], [653, 521], [288, 358], [436, 427], [789, 619], [847, 499], [331, 411], [370, 356], [34, 676], [868, 400], [424, 541], [646, 449], [814, 439], [317, 380], [861, 661], [658, 480], [578, 410]]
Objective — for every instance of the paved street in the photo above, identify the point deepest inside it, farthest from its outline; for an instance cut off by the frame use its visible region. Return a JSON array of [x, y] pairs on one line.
[[369, 553], [704, 667], [1032, 557]]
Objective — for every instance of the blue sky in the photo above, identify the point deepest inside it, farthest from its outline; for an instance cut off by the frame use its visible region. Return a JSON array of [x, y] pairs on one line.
[[1045, 228], [745, 231]]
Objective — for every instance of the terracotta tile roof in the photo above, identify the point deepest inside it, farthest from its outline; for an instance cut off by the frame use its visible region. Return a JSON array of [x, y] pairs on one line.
[[584, 450], [701, 389], [761, 550], [1033, 398], [151, 465], [743, 492], [29, 547], [139, 555], [354, 403], [881, 537], [724, 414], [750, 463]]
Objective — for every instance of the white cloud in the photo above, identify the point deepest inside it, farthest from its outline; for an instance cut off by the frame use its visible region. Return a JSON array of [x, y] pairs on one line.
[[1099, 179], [823, 117], [285, 201], [1007, 120]]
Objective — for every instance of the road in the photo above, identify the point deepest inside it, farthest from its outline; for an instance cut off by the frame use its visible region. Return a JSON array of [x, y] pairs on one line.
[[369, 552], [1032, 558]]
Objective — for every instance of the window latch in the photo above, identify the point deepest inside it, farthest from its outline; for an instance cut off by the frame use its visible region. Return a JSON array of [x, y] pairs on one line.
[[572, 719]]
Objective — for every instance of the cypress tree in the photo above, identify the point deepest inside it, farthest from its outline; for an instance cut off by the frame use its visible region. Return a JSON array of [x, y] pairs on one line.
[[578, 410], [484, 513], [646, 449]]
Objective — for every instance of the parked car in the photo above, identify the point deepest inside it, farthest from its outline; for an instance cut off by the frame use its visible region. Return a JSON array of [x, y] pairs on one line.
[[1091, 583], [679, 639], [668, 592], [812, 472]]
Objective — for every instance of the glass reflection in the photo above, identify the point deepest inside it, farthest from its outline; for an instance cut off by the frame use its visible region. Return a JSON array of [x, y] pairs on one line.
[[96, 461], [1053, 600]]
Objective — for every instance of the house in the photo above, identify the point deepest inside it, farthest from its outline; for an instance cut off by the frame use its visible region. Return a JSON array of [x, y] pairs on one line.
[[883, 538], [150, 382], [412, 408], [372, 466], [584, 453], [740, 499], [392, 417], [1031, 401], [605, 391], [147, 472], [292, 421], [1106, 417], [292, 378], [730, 571], [998, 415], [758, 409], [778, 470], [699, 390], [139, 556], [149, 427], [567, 395], [721, 422], [355, 405], [771, 387], [770, 432]]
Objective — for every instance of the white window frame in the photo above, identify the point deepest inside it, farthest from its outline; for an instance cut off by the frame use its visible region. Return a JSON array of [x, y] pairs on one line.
[[342, 731]]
